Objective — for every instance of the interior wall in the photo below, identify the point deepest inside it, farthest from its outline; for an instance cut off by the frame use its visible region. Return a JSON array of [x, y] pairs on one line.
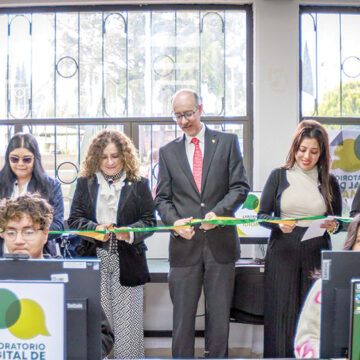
[[276, 80], [275, 83]]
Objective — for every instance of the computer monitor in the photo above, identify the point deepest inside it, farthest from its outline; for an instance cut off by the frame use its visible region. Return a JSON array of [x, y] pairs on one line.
[[354, 345], [82, 294], [338, 268]]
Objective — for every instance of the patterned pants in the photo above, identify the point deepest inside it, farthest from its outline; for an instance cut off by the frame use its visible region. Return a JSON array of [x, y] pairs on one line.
[[123, 307]]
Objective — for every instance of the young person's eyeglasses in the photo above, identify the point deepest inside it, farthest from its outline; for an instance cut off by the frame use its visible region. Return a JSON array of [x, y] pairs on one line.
[[26, 234], [25, 159]]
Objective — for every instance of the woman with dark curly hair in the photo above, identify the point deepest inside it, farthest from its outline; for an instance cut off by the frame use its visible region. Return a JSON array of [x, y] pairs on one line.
[[303, 187], [23, 172], [110, 193]]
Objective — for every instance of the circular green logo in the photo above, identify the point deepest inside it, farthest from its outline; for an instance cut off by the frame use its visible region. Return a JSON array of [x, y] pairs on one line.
[[9, 308]]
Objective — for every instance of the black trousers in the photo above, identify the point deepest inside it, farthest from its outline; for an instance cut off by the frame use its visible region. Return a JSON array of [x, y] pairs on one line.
[[185, 284], [289, 267]]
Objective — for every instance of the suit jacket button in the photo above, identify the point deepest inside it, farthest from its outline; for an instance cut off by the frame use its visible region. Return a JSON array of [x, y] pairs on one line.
[[202, 205]]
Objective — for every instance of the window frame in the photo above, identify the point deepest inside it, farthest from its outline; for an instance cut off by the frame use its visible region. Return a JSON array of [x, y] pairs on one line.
[[308, 9], [131, 124]]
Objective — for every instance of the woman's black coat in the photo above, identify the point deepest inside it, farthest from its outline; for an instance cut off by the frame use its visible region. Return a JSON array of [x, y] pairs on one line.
[[136, 209]]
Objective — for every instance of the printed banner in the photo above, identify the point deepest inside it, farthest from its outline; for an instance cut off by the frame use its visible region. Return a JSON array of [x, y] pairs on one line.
[[345, 155], [32, 320], [249, 210]]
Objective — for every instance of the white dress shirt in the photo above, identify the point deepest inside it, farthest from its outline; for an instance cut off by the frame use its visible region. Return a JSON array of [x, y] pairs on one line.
[[16, 192], [108, 201]]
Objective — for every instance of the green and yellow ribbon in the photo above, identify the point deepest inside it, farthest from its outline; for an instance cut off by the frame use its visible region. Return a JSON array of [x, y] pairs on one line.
[[222, 221]]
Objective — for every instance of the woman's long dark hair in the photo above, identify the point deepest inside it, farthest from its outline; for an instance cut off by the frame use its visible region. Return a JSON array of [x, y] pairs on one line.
[[7, 177], [314, 130]]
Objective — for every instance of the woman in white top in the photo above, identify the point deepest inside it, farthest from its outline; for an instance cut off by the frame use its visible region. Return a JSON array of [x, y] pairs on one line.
[[303, 187], [109, 193]]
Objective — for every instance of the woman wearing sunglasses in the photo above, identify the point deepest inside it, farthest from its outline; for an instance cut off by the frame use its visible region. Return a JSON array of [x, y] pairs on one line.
[[23, 172]]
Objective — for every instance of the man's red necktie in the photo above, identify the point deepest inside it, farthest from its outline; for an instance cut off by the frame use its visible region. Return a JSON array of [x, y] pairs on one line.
[[197, 163]]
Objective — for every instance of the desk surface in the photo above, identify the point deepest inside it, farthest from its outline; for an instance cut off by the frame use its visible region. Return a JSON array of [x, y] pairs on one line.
[[159, 268]]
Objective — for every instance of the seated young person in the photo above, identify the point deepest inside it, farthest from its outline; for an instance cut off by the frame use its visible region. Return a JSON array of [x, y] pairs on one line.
[[307, 337], [24, 226]]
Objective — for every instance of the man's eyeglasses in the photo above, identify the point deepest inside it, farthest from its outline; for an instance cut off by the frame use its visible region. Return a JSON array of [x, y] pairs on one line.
[[188, 115], [26, 234], [25, 159]]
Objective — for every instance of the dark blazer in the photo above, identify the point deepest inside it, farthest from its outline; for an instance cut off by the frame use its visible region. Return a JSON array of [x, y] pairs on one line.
[[271, 195], [55, 199], [136, 209], [355, 207], [224, 187]]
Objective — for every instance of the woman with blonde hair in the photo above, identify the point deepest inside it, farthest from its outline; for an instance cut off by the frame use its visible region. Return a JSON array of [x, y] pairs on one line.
[[110, 193]]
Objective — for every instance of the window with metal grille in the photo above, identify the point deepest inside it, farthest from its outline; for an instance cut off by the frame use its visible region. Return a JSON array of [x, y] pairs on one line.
[[330, 86], [65, 73]]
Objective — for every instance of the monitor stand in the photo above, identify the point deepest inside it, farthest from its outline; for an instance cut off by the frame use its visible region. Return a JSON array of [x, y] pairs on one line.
[[76, 320]]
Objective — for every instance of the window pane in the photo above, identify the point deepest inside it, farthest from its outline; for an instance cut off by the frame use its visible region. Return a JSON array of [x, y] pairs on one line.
[[67, 62], [3, 64], [235, 62], [213, 72], [330, 58], [6, 132], [151, 138], [350, 30], [90, 64], [122, 63], [328, 64], [115, 64], [237, 129], [308, 62], [139, 64], [19, 93], [187, 50], [43, 66]]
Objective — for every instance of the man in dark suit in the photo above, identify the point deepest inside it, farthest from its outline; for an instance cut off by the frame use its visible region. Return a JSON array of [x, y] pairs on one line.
[[201, 175]]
